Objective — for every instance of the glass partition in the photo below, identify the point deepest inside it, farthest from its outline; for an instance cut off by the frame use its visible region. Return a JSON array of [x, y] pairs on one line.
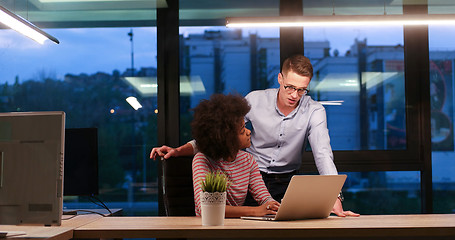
[[89, 75], [221, 60], [442, 89], [382, 192], [359, 77]]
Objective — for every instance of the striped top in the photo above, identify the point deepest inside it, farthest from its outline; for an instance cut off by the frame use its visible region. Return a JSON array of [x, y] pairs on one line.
[[243, 174]]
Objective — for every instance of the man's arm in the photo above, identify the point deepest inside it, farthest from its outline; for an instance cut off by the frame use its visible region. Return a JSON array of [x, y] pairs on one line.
[[323, 156], [338, 210], [319, 139], [167, 152]]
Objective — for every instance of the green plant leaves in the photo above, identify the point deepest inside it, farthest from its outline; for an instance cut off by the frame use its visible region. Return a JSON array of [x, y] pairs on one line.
[[215, 182]]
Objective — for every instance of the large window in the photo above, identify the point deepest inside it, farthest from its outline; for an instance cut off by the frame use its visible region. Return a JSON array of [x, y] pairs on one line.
[[220, 60], [442, 89], [88, 76], [383, 192], [359, 78], [216, 59], [105, 56]]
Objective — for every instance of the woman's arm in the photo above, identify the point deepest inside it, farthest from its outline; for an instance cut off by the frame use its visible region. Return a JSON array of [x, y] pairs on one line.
[[259, 192], [257, 186], [270, 207], [200, 169]]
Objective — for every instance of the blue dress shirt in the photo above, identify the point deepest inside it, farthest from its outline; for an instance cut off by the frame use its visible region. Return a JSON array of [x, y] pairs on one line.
[[277, 141]]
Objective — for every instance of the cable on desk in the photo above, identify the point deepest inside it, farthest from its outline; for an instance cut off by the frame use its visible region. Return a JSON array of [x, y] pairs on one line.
[[100, 203], [77, 212], [90, 211], [68, 218], [94, 200]]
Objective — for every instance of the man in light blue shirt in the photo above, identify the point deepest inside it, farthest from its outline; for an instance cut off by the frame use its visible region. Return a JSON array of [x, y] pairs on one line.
[[278, 139], [282, 119]]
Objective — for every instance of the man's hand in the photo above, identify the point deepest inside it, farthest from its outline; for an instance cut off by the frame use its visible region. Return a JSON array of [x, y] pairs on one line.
[[163, 151], [338, 210]]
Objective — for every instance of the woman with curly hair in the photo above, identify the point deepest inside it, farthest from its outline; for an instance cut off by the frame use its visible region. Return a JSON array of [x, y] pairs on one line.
[[219, 129]]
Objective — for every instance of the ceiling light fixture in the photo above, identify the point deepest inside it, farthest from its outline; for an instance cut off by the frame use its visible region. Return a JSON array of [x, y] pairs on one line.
[[342, 20], [23, 26]]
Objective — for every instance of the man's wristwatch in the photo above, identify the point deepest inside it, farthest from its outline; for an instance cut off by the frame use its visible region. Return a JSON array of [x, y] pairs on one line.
[[340, 196]]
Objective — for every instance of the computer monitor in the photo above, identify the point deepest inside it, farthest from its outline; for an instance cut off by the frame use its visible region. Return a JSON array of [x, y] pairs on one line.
[[31, 167], [81, 162]]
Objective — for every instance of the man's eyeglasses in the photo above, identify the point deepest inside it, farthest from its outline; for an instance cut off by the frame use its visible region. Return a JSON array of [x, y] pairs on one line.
[[291, 89]]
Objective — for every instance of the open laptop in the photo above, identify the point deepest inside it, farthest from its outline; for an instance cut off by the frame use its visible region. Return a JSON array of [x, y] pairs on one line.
[[307, 196]]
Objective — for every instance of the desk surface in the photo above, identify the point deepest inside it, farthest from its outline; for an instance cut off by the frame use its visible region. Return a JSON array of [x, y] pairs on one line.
[[365, 226], [63, 232]]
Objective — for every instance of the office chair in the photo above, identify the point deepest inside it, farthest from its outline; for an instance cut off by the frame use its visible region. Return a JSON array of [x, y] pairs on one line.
[[177, 186]]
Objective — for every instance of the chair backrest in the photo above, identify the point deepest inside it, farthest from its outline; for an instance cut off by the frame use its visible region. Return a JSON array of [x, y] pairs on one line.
[[177, 186]]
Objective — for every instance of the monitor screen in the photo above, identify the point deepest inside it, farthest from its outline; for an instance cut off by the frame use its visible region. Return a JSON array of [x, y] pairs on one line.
[[81, 162]]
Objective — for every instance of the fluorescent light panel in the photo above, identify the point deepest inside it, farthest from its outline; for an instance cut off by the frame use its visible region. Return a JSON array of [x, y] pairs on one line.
[[342, 20], [23, 26], [133, 102], [333, 103]]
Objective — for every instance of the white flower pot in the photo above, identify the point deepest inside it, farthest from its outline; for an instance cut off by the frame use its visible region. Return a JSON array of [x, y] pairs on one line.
[[213, 206]]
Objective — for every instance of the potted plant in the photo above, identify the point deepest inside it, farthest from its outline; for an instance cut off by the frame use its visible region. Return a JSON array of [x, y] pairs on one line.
[[213, 202]]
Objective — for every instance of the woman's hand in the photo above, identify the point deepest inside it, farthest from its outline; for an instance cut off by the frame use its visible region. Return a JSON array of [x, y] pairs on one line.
[[270, 207], [163, 151]]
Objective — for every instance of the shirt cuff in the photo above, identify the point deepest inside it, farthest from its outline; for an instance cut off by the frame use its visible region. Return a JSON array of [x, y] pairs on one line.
[[193, 143]]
